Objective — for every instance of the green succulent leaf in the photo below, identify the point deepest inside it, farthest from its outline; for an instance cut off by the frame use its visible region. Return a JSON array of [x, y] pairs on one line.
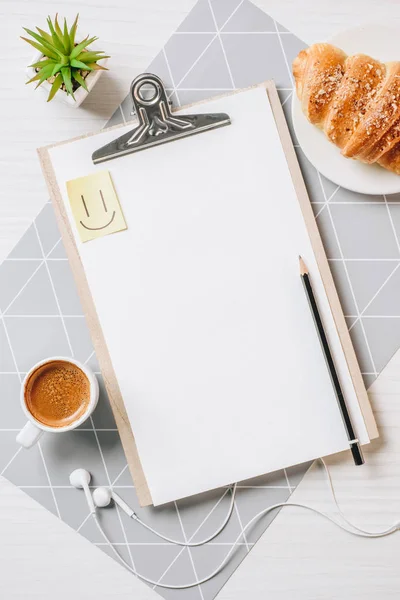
[[37, 37], [72, 31], [41, 48], [80, 65], [44, 74], [66, 75], [78, 77], [45, 36], [57, 41], [88, 57], [57, 27], [49, 49], [34, 78], [43, 63], [97, 67], [79, 47], [66, 39], [56, 69], [55, 87]]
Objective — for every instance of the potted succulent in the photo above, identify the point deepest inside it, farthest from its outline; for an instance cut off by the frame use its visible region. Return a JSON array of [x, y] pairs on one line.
[[65, 64]]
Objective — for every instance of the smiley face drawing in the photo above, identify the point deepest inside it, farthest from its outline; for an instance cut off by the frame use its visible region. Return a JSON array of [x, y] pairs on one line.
[[88, 214], [95, 206]]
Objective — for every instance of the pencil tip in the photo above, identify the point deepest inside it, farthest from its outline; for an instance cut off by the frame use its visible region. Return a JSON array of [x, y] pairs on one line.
[[303, 268]]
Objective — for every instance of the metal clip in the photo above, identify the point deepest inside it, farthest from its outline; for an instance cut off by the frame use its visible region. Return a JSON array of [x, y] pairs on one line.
[[157, 125]]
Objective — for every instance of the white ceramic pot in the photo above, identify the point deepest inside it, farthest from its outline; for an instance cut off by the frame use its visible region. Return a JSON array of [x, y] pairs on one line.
[[80, 93]]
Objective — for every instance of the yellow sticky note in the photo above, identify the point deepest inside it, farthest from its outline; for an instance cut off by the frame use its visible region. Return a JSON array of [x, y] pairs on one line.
[[95, 206]]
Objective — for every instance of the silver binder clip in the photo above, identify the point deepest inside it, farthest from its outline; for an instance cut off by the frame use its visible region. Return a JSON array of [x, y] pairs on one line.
[[157, 125]]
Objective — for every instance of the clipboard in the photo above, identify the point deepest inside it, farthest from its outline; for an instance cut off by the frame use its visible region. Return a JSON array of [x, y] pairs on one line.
[[113, 389]]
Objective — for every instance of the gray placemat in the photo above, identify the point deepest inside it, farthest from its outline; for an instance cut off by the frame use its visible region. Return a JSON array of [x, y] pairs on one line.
[[222, 45]]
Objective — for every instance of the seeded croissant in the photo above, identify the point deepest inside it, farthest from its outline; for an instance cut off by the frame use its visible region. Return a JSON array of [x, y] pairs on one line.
[[355, 100]]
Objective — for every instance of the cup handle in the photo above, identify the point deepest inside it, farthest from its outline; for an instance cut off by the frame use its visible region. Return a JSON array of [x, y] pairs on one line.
[[29, 435]]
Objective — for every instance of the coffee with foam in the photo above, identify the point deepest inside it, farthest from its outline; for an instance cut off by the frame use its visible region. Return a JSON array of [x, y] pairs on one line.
[[57, 393]]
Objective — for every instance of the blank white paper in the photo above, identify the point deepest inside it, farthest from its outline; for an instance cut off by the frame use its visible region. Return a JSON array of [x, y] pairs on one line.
[[202, 306]]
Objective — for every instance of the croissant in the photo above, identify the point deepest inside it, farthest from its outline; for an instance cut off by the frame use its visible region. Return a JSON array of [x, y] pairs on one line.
[[355, 100]]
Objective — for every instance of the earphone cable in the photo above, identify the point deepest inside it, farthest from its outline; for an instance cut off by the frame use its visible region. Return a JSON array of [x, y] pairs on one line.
[[201, 542], [357, 531], [387, 531]]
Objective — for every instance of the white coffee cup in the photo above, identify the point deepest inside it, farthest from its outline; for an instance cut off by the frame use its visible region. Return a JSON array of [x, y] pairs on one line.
[[33, 429]]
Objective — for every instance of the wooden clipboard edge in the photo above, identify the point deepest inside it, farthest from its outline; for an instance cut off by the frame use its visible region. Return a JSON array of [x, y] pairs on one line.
[[322, 261], [110, 380], [117, 404]]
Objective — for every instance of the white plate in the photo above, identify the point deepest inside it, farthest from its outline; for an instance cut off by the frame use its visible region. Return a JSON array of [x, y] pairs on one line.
[[381, 43]]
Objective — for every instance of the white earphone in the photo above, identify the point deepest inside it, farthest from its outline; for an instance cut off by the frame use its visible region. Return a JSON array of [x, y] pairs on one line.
[[102, 497], [80, 478]]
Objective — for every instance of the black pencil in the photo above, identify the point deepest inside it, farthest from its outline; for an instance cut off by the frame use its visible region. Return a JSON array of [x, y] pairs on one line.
[[353, 441]]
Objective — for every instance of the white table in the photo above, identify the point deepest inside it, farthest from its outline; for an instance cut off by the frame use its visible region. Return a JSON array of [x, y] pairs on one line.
[[299, 556]]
